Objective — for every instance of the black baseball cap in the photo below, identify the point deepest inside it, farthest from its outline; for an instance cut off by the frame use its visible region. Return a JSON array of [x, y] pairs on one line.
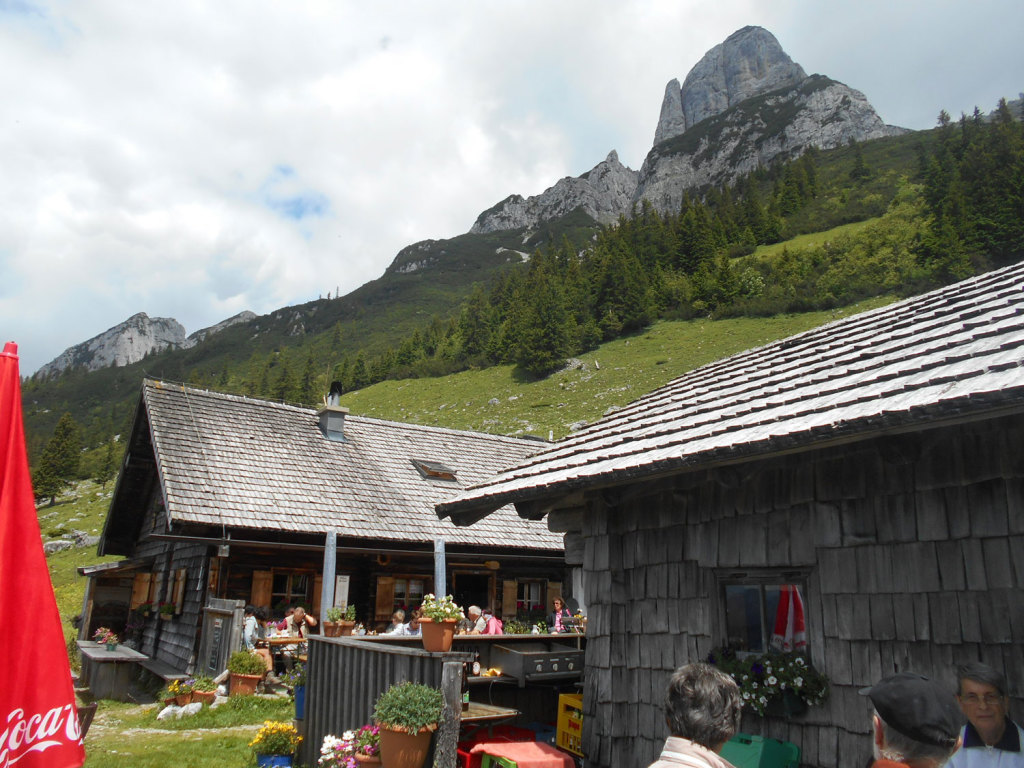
[[918, 707]]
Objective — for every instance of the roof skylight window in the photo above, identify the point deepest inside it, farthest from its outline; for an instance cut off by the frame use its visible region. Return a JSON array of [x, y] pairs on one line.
[[434, 470]]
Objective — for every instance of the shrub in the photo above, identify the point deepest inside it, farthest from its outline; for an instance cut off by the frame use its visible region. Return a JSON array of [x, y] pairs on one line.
[[409, 707]]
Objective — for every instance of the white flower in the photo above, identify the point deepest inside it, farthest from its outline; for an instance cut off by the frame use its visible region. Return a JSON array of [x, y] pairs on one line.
[[330, 742], [771, 679], [800, 662], [763, 700], [746, 695], [798, 683], [753, 685]]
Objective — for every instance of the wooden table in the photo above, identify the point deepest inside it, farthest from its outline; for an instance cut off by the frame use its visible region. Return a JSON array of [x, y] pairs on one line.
[[108, 674], [280, 643], [480, 716]]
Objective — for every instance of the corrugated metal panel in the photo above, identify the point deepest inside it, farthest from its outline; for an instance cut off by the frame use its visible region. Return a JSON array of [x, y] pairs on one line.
[[346, 675]]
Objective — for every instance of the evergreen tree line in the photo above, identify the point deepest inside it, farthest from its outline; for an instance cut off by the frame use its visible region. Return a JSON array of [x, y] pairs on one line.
[[962, 213]]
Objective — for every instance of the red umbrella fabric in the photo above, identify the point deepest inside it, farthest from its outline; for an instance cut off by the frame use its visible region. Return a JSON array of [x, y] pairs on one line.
[[790, 632], [38, 717]]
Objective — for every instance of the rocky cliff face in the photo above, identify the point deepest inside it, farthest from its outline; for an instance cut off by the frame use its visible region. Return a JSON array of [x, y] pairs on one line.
[[781, 124], [125, 343], [744, 104], [604, 193], [131, 341], [750, 62]]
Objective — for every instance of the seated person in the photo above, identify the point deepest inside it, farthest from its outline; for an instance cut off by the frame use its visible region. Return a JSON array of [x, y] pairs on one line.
[[492, 624], [397, 624], [475, 616], [298, 624], [412, 629], [560, 620]]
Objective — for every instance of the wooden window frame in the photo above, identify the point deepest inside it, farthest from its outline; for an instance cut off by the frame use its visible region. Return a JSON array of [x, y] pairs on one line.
[[762, 577]]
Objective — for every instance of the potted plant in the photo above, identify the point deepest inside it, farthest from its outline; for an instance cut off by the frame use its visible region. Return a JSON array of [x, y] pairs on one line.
[[145, 610], [773, 684], [181, 690], [247, 669], [339, 622], [362, 746], [295, 678], [204, 690], [166, 611], [366, 742], [105, 636], [407, 714], [437, 622], [275, 743]]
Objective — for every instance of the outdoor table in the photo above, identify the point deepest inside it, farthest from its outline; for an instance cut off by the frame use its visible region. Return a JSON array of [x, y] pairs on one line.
[[480, 716], [280, 643], [108, 674], [525, 754]]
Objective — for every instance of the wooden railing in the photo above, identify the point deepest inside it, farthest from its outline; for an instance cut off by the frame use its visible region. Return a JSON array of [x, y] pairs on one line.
[[345, 675]]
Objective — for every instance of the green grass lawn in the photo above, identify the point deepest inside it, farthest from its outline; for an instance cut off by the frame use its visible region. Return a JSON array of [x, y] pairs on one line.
[[130, 736]]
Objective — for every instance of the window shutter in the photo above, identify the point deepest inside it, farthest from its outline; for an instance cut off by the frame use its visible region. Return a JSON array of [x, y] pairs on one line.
[[261, 583], [385, 598], [508, 599], [214, 577], [140, 589]]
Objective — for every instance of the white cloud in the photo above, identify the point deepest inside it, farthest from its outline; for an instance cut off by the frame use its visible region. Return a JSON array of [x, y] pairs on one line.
[[195, 159]]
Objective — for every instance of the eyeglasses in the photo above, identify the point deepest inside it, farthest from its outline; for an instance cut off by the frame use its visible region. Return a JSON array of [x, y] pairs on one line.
[[989, 699]]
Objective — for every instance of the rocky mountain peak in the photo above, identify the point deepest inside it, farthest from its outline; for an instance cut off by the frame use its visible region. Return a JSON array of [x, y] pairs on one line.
[[130, 341], [750, 62]]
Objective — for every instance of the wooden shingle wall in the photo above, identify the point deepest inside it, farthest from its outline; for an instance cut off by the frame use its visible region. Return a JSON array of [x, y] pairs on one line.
[[915, 546]]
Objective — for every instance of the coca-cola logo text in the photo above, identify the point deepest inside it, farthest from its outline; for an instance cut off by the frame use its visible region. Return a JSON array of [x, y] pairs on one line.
[[36, 734]]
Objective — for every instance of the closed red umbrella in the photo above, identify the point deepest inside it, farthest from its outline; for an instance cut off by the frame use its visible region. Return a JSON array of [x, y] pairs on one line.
[[38, 717], [790, 632]]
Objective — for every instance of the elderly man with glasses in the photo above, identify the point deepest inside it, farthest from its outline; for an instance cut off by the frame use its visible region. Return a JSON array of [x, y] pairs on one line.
[[990, 738]]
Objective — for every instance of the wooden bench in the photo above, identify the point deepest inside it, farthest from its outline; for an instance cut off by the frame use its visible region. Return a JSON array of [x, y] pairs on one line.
[[161, 669]]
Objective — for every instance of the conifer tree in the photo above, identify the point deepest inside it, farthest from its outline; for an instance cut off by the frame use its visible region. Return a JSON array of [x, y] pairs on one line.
[[58, 463]]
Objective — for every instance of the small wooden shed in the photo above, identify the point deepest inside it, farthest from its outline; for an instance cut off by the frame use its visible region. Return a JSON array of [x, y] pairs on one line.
[[231, 498], [876, 462]]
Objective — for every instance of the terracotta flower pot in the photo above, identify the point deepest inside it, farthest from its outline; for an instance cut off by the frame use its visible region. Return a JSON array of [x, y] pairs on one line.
[[368, 760], [437, 635], [399, 749], [332, 628], [346, 627], [244, 685], [183, 699], [204, 697]]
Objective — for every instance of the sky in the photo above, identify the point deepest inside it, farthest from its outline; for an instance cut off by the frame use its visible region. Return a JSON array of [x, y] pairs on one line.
[[199, 158]]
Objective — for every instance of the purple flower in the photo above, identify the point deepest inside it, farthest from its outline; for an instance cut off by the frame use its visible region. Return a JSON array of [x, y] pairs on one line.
[[757, 668]]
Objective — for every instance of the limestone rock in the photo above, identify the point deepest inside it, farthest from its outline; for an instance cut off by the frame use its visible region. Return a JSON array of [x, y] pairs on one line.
[[203, 333], [819, 112], [672, 121], [750, 62], [124, 344], [603, 193]]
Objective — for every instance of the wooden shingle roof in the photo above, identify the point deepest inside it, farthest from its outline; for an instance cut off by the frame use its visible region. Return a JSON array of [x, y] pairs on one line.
[[253, 464], [951, 353]]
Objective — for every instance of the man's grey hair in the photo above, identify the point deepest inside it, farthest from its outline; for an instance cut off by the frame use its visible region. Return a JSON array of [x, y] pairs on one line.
[[703, 705], [981, 673], [903, 749]]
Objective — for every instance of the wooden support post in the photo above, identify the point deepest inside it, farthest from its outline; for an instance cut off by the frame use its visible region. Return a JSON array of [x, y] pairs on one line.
[[451, 714]]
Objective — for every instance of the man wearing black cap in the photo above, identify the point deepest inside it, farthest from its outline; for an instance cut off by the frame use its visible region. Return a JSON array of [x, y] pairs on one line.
[[916, 722]]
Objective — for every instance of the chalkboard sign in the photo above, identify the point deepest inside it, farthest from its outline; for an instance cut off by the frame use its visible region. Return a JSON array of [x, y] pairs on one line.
[[216, 638]]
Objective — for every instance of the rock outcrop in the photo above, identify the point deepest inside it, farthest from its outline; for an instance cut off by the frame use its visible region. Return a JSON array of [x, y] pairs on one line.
[[603, 193], [750, 62], [200, 335], [130, 341], [781, 124], [124, 344], [744, 104]]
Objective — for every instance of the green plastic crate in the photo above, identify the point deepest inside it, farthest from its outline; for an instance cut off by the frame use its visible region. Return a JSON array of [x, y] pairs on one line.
[[745, 751]]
